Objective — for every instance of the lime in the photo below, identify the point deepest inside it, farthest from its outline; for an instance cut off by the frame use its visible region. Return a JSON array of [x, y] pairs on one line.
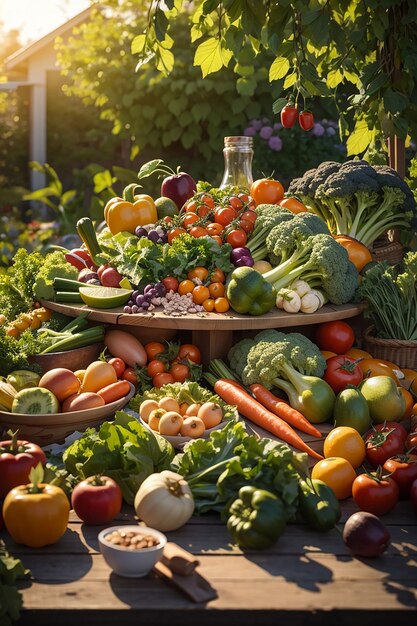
[[104, 297], [165, 207]]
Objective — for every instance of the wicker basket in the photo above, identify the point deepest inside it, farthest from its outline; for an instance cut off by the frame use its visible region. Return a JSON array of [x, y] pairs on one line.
[[402, 353], [384, 249]]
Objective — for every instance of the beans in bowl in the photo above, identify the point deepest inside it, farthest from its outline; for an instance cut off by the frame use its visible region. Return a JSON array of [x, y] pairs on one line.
[[131, 540]]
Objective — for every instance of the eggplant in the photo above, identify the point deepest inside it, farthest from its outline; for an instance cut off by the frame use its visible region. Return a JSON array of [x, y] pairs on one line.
[[365, 535]]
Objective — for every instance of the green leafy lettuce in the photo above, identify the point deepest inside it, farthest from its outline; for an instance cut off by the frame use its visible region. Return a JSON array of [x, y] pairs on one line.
[[217, 467], [123, 449], [11, 570], [54, 266]]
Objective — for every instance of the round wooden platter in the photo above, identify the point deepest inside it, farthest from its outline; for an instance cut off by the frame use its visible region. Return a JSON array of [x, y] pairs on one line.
[[210, 321]]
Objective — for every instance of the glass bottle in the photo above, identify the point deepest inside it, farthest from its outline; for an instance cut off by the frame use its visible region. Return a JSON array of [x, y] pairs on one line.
[[238, 155]]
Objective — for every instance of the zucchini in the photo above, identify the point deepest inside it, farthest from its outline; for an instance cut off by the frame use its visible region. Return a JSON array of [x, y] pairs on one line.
[[87, 233], [66, 284], [68, 296]]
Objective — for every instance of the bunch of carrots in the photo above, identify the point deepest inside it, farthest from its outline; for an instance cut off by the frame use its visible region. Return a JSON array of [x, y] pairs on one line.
[[264, 409]]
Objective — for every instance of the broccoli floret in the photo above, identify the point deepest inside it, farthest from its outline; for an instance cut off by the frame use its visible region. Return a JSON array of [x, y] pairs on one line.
[[54, 266], [268, 216], [283, 238], [321, 262], [238, 355]]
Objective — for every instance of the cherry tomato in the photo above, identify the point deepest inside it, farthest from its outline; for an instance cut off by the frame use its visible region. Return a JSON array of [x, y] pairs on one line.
[[208, 200], [130, 375], [208, 305], [153, 348], [189, 219], [289, 114], [221, 305], [190, 206], [170, 283], [335, 336], [293, 205], [411, 441], [306, 120], [382, 443], [266, 191], [247, 200], [214, 228], [198, 272], [200, 294], [119, 366], [203, 210], [217, 239], [235, 202], [342, 371], [337, 473], [180, 372], [185, 286], [246, 226], [217, 276], [175, 232], [162, 379], [198, 231], [156, 367], [190, 352], [216, 290], [403, 469], [237, 238], [374, 493], [97, 500], [249, 216], [225, 215]]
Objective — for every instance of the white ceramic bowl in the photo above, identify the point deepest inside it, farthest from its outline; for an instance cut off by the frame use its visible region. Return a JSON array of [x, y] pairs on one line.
[[178, 441], [131, 563]]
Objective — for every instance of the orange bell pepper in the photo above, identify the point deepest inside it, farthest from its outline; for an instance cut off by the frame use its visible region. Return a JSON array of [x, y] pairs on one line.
[[125, 214], [357, 251]]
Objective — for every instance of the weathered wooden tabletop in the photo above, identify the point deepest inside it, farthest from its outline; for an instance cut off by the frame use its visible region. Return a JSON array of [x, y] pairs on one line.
[[306, 578]]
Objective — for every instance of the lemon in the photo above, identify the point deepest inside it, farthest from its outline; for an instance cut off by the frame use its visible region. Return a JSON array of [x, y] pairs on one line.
[[125, 283], [104, 297]]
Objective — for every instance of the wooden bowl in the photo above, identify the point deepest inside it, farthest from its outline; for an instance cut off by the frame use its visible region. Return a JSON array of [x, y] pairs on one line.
[[73, 360], [54, 427]]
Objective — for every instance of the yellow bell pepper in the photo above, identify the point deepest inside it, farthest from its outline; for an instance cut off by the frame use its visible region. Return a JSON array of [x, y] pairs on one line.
[[36, 515], [125, 214]]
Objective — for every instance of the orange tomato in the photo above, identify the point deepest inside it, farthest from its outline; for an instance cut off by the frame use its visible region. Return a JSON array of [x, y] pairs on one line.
[[327, 354], [356, 353], [413, 387], [216, 290], [266, 191], [203, 210], [198, 272], [162, 379], [175, 232], [414, 409], [345, 442], [185, 286], [390, 364], [153, 348], [198, 231], [200, 294], [217, 239], [409, 374], [293, 205], [189, 219], [409, 403], [208, 305], [214, 228], [221, 305], [337, 473], [374, 367], [217, 276]]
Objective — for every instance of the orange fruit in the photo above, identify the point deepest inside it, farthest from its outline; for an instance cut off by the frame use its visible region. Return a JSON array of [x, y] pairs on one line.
[[356, 353], [221, 305], [409, 374], [200, 294], [375, 367], [208, 304], [185, 286], [198, 272], [409, 403], [216, 290]]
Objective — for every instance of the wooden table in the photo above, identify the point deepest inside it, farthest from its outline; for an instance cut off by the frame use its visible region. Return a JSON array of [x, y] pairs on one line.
[[307, 578], [212, 332]]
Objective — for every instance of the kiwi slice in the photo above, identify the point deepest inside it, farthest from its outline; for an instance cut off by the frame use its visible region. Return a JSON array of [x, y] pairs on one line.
[[35, 401]]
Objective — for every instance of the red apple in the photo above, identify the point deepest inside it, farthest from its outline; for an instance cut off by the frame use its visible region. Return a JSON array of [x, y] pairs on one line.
[[110, 277], [179, 188]]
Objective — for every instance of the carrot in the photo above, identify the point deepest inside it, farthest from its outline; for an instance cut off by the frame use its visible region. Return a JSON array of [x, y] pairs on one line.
[[115, 391], [283, 410], [233, 393]]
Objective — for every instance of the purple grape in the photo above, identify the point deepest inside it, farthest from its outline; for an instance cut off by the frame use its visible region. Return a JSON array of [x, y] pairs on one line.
[[131, 303], [145, 305], [140, 232], [153, 235], [160, 290], [135, 308], [135, 294], [152, 293], [127, 309], [149, 287], [140, 300]]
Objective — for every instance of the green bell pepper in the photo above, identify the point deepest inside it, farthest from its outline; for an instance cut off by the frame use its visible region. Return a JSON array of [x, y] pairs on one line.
[[256, 518], [318, 504], [249, 292]]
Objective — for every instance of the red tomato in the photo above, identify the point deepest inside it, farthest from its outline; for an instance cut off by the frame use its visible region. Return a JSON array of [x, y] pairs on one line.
[[247, 200], [97, 500], [249, 216], [235, 202], [156, 367], [411, 441], [335, 336], [342, 371], [203, 210], [17, 457], [190, 352], [162, 379], [374, 493], [403, 469], [225, 215], [198, 231], [413, 495], [396, 426], [247, 226], [208, 200], [119, 366], [237, 238], [289, 115], [266, 191], [180, 372], [170, 283], [189, 219], [382, 443], [306, 120], [130, 375], [153, 348], [175, 232]]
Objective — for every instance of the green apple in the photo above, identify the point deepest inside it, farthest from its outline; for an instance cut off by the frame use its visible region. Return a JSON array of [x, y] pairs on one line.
[[384, 399]]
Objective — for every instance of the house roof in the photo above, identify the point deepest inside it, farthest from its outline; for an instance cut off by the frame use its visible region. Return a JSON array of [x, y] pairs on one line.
[[25, 53]]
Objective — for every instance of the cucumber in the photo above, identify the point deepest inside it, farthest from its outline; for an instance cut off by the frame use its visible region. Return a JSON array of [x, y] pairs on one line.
[[68, 296], [66, 284], [86, 231]]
